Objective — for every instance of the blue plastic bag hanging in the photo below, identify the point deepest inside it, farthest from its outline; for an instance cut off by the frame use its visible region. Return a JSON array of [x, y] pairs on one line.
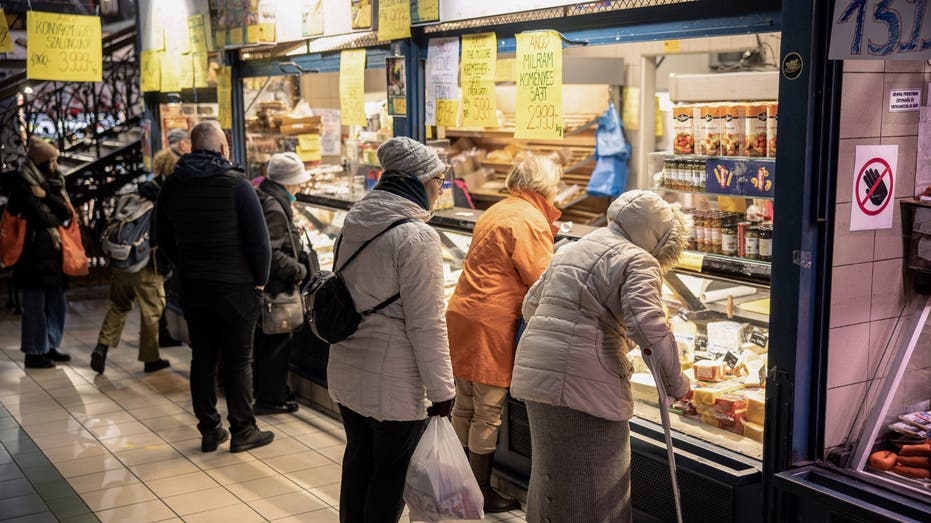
[[609, 136], [609, 178]]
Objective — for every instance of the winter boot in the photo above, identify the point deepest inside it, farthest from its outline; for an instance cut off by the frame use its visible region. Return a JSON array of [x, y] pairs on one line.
[[99, 358], [494, 502]]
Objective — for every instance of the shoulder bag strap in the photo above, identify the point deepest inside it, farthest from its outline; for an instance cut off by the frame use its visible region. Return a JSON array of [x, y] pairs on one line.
[[287, 222], [366, 244]]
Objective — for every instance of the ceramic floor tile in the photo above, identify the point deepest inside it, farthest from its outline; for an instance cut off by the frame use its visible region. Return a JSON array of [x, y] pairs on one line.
[[163, 469], [329, 494], [148, 454], [41, 473], [41, 517], [22, 506], [201, 501], [213, 460], [114, 497], [84, 466], [241, 513], [317, 476], [129, 428], [145, 512], [299, 461], [84, 449], [281, 446], [183, 484], [263, 488], [84, 518], [171, 422], [335, 453], [13, 488], [50, 490], [98, 421], [326, 515], [102, 480], [136, 441], [68, 506], [180, 434], [157, 411], [241, 472], [287, 505]]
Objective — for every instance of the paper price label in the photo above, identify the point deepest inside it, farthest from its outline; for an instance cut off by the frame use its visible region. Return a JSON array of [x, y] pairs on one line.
[[427, 10], [6, 42], [150, 71], [171, 72], [447, 113], [394, 20], [225, 98], [201, 70], [197, 34], [479, 60], [308, 142], [352, 87], [63, 47], [691, 261], [539, 86]]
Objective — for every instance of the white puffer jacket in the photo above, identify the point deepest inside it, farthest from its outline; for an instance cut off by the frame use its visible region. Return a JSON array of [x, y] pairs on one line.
[[399, 356], [599, 296]]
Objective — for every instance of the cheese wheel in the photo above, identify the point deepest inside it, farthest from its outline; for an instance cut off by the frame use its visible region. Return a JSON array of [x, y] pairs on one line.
[[882, 460]]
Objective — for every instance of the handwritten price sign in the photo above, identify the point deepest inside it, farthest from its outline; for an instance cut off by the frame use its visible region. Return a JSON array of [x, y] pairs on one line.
[[6, 42], [225, 97], [150, 70], [394, 20], [880, 29], [539, 86], [63, 47], [479, 58], [352, 87]]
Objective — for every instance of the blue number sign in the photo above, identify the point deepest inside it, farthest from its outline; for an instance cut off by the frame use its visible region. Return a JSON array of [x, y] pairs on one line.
[[880, 29]]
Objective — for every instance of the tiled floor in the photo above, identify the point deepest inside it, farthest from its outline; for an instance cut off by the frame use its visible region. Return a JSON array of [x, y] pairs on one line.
[[123, 446]]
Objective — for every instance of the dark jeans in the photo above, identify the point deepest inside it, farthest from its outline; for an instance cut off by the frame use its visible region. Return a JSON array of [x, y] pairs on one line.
[[272, 356], [43, 321], [221, 321], [375, 466]]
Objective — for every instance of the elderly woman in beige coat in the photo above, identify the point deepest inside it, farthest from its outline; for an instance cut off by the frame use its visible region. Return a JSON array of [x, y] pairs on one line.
[[397, 361], [598, 297]]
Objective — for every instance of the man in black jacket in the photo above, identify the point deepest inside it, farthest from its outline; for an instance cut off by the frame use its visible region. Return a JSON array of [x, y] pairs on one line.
[[209, 223], [272, 351]]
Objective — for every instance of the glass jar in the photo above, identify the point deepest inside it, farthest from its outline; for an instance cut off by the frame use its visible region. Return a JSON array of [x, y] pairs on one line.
[[766, 244], [752, 243], [729, 239], [716, 222], [700, 230], [693, 238]]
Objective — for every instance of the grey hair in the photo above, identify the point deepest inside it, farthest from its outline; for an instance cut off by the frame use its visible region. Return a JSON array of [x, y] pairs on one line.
[[535, 173]]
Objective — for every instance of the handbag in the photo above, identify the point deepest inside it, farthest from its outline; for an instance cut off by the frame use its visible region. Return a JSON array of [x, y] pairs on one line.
[[283, 313], [12, 237], [74, 260]]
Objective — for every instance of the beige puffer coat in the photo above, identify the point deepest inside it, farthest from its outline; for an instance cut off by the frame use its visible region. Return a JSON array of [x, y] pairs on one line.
[[600, 296], [399, 356]]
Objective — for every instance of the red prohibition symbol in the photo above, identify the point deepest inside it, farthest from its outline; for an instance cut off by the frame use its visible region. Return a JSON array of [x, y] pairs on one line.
[[886, 171]]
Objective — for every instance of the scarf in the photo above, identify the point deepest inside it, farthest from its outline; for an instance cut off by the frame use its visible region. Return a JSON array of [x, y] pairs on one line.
[[34, 176], [404, 185]]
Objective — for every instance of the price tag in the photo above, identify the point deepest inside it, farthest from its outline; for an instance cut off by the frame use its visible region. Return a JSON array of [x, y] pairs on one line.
[[201, 69], [671, 46], [730, 359], [177, 37], [224, 98], [701, 343], [394, 20], [186, 71], [352, 87], [150, 71], [447, 113], [479, 58], [66, 48], [171, 72], [426, 10], [539, 86], [6, 43], [691, 261], [195, 28], [759, 339], [235, 36], [309, 142], [219, 38]]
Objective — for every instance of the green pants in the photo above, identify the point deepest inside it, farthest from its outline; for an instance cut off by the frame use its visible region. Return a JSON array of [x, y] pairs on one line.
[[145, 287]]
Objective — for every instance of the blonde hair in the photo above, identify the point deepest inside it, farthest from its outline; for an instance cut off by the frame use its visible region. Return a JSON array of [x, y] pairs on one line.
[[164, 163], [535, 173]]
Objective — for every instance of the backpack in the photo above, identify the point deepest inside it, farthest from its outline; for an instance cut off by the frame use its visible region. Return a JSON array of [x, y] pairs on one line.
[[328, 307], [126, 238]]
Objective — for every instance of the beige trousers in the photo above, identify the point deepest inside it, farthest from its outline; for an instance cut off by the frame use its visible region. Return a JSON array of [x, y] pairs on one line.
[[146, 288], [477, 415]]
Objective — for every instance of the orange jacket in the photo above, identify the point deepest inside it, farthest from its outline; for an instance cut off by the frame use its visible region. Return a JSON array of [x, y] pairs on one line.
[[512, 245]]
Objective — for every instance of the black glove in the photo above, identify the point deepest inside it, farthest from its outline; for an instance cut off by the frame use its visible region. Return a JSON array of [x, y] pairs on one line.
[[879, 195], [442, 408]]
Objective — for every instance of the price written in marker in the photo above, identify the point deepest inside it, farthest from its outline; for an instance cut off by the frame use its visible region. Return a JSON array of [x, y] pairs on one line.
[[425, 10], [63, 47], [150, 71], [479, 58], [447, 112], [394, 20], [539, 86], [6, 42], [880, 28], [352, 87], [225, 97]]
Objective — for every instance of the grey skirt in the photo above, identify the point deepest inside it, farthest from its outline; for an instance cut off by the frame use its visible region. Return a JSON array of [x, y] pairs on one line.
[[580, 471]]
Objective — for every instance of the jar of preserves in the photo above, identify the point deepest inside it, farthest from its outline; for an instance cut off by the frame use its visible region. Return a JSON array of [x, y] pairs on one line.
[[693, 238], [700, 230], [766, 244], [729, 239], [716, 222], [752, 243]]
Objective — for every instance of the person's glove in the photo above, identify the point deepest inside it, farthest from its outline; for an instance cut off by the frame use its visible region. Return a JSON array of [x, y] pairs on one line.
[[441, 408]]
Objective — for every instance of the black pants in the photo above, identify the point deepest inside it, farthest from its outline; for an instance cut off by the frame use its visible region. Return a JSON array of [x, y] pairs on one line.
[[221, 321], [272, 357], [374, 467]]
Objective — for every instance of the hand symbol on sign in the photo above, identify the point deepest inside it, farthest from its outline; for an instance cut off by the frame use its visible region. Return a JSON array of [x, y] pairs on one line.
[[871, 178]]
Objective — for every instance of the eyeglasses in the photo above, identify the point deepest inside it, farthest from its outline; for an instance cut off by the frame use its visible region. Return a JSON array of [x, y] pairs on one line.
[[440, 180]]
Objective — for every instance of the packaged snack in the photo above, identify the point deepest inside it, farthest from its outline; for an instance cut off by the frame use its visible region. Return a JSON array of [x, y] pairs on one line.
[[683, 127], [772, 119], [732, 139], [711, 125], [755, 119]]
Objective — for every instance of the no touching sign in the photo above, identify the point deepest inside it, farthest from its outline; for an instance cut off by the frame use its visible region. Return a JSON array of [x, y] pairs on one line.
[[873, 187]]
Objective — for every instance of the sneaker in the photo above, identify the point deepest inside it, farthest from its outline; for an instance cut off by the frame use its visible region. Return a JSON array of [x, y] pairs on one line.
[[263, 408], [55, 355], [38, 361], [152, 366], [251, 438], [99, 358], [211, 440]]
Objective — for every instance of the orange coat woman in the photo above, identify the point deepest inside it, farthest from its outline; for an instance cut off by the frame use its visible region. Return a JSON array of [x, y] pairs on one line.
[[512, 244]]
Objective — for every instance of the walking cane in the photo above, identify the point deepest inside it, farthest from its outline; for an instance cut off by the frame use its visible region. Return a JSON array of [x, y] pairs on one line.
[[664, 417]]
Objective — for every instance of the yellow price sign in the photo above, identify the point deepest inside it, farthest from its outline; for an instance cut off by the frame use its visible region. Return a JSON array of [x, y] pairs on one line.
[[308, 142], [6, 42], [479, 59], [201, 70], [352, 87], [63, 47], [235, 36], [150, 71], [447, 113], [539, 86], [428, 10], [219, 39], [691, 261], [186, 71], [225, 98], [195, 27], [171, 72], [394, 19], [671, 46]]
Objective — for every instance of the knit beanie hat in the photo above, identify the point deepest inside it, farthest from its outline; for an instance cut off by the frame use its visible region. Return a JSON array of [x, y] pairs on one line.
[[41, 151], [287, 169], [410, 156]]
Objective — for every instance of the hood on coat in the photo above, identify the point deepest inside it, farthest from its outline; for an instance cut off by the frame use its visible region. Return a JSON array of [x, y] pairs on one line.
[[652, 224], [202, 164], [379, 209]]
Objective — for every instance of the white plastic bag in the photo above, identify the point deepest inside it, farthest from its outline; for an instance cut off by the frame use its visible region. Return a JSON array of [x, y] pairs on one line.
[[440, 484]]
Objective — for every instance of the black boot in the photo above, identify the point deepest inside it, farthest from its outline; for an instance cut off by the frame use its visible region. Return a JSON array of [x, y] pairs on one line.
[[209, 441], [56, 355], [152, 366], [251, 438], [38, 361], [99, 358], [481, 467]]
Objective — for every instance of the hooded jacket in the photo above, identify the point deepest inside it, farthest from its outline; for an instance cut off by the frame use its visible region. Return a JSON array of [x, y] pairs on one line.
[[39, 266], [599, 297], [399, 356], [511, 247], [209, 223], [286, 267]]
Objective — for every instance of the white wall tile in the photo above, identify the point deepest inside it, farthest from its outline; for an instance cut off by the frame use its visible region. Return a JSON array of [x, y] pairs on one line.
[[864, 66], [861, 108], [841, 412], [850, 246], [900, 124], [848, 355], [905, 66], [905, 166], [888, 295], [850, 294], [888, 243]]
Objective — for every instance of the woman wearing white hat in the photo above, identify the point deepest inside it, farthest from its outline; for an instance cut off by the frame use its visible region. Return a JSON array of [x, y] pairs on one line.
[[283, 179]]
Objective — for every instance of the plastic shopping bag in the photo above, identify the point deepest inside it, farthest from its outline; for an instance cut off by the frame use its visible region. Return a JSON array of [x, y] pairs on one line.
[[609, 177], [440, 484]]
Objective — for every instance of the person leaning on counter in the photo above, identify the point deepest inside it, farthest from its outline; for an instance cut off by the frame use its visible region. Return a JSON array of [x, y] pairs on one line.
[[511, 246]]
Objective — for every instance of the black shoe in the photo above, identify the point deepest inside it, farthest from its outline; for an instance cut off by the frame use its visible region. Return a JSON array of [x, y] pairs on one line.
[[152, 366], [54, 355], [38, 361], [210, 441], [99, 358], [263, 408], [251, 438], [494, 503], [165, 340]]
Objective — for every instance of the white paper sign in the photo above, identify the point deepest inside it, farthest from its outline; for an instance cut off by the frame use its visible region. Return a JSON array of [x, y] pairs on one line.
[[442, 72], [880, 29], [337, 17], [923, 164], [904, 100], [874, 173]]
